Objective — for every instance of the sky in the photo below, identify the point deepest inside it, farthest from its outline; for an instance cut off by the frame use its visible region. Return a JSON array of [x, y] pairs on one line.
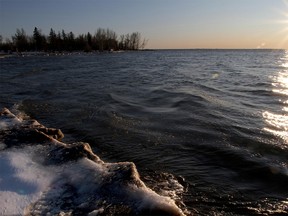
[[167, 24]]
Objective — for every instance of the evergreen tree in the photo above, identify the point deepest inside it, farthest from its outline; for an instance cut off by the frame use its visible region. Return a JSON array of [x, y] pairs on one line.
[[71, 41], [52, 38], [89, 39], [20, 40], [38, 39], [59, 42]]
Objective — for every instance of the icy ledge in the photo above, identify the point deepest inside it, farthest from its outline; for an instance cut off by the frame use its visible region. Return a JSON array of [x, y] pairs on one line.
[[40, 175]]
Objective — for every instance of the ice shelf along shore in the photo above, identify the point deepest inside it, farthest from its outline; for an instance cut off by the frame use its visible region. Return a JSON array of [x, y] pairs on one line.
[[40, 175]]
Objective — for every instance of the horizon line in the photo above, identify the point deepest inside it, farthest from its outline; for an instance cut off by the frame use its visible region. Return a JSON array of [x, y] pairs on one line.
[[215, 49]]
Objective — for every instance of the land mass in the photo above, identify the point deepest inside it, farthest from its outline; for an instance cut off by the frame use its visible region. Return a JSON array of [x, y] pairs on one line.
[[102, 40]]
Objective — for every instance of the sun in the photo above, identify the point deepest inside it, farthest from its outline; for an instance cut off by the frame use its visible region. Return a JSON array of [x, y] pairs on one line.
[[284, 22]]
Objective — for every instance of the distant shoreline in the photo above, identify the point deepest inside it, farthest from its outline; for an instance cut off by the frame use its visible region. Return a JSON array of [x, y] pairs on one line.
[[64, 53]]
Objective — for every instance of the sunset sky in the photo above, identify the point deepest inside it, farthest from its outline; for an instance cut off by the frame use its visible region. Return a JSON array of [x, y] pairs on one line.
[[165, 23]]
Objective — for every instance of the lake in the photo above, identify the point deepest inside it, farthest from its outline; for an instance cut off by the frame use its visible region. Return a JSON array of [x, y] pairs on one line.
[[216, 121]]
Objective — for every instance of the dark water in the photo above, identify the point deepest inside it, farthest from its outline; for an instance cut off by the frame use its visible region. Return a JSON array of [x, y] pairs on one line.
[[216, 118]]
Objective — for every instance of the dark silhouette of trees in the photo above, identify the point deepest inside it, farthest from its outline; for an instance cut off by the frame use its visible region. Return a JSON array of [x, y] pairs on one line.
[[88, 42], [132, 41], [127, 42], [81, 44], [39, 40], [59, 41], [105, 39], [100, 37], [102, 40], [121, 42], [7, 45], [111, 40], [89, 39], [20, 40], [52, 40], [70, 41]]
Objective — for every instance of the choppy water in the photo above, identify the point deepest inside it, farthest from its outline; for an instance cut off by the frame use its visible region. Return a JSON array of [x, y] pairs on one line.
[[216, 118]]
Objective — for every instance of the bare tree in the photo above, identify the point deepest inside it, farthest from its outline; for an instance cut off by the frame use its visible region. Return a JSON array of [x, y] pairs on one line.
[[144, 43], [121, 42], [111, 39], [100, 37]]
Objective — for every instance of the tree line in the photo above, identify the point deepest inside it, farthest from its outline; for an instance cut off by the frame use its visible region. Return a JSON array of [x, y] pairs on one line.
[[102, 40]]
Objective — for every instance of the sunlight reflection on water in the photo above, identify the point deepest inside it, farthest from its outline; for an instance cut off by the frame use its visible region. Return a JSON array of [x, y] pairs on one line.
[[278, 123]]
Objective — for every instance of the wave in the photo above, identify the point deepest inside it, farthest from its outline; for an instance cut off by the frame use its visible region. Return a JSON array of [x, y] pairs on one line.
[[52, 177]]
